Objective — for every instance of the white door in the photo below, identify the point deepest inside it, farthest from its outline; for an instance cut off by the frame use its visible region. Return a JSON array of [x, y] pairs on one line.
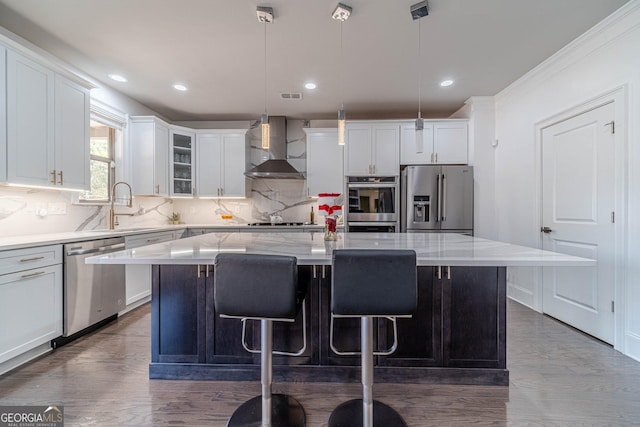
[[578, 187]]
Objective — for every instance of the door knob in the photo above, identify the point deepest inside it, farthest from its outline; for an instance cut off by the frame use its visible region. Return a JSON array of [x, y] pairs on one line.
[[546, 229]]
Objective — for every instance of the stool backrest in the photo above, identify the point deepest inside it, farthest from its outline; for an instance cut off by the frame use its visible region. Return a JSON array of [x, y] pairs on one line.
[[256, 286], [373, 282]]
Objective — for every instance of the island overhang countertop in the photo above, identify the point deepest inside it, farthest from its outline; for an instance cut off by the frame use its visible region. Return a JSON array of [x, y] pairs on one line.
[[432, 249]]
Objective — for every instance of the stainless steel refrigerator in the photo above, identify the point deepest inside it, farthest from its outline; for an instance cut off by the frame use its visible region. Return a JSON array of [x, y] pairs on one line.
[[437, 199]]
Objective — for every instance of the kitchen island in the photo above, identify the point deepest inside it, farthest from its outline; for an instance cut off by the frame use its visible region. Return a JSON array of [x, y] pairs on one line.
[[457, 335]]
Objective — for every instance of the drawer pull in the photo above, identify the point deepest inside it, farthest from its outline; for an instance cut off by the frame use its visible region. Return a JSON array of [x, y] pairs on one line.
[[26, 276], [152, 240], [35, 258]]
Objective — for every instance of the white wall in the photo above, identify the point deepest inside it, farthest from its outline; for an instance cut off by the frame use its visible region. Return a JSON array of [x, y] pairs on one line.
[[603, 59], [480, 110]]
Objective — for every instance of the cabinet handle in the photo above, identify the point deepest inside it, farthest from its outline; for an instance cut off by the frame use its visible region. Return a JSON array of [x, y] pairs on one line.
[[157, 188], [439, 272], [323, 276], [314, 272], [26, 276], [206, 270], [35, 258], [53, 174], [436, 157], [60, 175], [152, 240], [431, 157], [198, 267], [449, 272]]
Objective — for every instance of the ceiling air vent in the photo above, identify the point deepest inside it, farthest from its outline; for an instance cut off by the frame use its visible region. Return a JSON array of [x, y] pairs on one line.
[[294, 96]]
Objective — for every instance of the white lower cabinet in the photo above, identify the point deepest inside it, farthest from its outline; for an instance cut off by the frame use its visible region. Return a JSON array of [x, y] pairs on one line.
[[138, 277], [30, 301]]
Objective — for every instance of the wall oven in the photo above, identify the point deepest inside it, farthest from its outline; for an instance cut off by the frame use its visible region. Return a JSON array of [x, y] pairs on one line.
[[372, 204]]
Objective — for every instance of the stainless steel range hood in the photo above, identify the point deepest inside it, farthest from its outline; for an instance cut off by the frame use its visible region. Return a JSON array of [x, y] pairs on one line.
[[277, 166]]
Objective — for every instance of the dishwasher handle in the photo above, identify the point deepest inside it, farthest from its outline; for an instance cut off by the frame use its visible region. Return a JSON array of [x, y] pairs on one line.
[[115, 247]]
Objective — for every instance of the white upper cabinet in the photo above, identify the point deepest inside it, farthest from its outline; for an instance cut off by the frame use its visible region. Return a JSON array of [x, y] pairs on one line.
[[372, 149], [445, 142], [30, 120], [325, 166], [450, 142], [149, 149], [72, 155], [3, 114], [408, 154], [221, 163], [47, 126], [181, 170]]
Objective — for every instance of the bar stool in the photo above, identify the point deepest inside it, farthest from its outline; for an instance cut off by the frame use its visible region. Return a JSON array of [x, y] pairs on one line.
[[370, 283], [265, 288]]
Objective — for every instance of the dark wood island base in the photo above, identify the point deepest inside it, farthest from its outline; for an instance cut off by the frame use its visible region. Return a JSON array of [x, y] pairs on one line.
[[457, 335]]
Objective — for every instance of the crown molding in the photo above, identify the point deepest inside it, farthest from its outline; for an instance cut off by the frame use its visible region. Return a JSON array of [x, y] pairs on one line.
[[613, 27]]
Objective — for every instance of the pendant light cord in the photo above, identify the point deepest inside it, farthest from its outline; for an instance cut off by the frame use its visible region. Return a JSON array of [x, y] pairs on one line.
[[341, 70], [265, 67], [419, 64]]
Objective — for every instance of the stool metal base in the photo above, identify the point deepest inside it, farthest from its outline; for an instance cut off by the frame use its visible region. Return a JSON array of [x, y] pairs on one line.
[[285, 412], [349, 414]]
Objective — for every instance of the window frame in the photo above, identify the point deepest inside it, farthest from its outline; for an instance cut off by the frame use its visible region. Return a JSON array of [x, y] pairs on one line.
[[118, 171]]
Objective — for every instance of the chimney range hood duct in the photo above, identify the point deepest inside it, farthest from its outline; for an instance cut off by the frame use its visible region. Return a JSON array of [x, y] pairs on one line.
[[277, 166]]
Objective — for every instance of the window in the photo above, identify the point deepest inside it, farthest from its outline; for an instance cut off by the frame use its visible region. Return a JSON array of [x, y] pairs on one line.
[[102, 142]]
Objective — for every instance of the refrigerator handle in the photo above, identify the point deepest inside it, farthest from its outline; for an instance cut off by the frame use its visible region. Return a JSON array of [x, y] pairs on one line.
[[443, 209], [438, 198]]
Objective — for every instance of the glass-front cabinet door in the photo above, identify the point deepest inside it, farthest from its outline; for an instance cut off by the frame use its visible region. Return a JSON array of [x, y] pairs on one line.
[[182, 158]]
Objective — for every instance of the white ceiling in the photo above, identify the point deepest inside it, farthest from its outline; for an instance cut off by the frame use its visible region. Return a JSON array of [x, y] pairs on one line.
[[216, 48]]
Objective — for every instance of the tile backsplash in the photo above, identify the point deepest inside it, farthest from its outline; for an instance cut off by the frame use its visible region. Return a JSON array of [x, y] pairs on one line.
[[34, 211], [30, 211]]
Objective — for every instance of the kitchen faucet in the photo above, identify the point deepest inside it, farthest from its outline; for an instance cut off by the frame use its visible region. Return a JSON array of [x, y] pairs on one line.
[[113, 220]]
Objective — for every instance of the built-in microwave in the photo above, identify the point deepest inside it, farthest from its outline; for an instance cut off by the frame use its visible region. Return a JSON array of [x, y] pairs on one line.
[[372, 203]]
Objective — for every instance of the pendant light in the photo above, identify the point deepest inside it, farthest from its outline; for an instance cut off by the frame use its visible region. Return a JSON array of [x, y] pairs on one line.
[[265, 16], [418, 11], [341, 13]]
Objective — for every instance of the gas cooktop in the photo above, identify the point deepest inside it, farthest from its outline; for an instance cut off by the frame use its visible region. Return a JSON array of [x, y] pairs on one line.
[[282, 224]]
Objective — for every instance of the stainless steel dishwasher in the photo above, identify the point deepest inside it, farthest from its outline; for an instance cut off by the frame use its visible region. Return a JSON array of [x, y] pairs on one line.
[[92, 292]]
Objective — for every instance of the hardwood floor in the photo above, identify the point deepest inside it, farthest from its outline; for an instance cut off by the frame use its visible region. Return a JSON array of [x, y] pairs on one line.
[[558, 377]]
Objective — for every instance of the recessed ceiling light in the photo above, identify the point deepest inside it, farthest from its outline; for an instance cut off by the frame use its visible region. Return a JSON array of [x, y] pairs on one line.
[[310, 85], [180, 87], [446, 83], [118, 78]]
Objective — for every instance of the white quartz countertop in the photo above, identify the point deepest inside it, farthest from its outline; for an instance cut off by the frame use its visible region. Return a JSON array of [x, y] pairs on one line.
[[25, 241], [432, 249]]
